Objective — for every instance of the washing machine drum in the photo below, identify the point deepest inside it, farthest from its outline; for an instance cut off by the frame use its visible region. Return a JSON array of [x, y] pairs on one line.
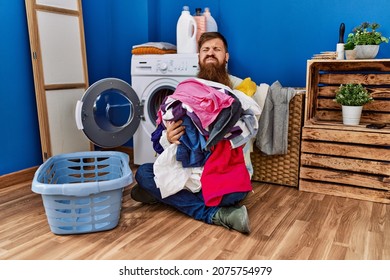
[[109, 113]]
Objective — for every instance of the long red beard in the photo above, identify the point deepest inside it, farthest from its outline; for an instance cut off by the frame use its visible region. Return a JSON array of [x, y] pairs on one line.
[[216, 73]]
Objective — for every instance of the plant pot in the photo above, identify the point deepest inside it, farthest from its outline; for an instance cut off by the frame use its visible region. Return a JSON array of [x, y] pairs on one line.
[[366, 51], [351, 114], [350, 54]]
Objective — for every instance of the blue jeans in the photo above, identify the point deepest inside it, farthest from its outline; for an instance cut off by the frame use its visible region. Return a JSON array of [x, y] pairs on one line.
[[185, 201]]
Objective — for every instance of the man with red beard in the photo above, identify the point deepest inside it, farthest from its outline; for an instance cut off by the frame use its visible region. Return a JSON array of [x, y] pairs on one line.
[[213, 58]]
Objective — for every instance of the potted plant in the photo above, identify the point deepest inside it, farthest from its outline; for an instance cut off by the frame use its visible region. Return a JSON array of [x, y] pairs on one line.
[[352, 97], [366, 38], [350, 51]]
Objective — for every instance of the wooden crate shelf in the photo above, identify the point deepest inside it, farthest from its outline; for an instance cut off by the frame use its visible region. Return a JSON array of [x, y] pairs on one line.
[[349, 161]]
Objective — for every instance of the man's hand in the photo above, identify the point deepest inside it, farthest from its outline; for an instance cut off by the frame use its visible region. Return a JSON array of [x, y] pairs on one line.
[[174, 131]]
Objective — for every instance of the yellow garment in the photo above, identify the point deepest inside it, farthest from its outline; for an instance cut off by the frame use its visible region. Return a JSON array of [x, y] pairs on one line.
[[247, 86]]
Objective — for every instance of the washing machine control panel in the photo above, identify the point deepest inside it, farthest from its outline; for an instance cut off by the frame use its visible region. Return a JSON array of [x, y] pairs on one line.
[[170, 64], [173, 66]]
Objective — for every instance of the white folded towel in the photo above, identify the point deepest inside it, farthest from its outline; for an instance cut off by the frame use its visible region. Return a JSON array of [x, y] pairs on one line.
[[159, 45]]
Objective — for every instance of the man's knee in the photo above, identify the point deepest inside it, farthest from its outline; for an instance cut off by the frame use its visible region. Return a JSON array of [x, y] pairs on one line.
[[144, 171]]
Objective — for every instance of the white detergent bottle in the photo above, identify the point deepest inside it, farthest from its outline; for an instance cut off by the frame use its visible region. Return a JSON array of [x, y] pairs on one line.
[[211, 24], [186, 32]]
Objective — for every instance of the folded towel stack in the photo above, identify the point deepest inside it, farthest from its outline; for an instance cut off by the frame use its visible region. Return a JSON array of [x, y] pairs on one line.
[[154, 48], [325, 55]]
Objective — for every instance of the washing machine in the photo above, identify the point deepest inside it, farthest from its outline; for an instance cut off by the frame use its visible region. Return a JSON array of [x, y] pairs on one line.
[[112, 111], [153, 77]]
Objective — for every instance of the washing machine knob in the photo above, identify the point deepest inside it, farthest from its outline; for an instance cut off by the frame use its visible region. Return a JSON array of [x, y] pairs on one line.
[[163, 66]]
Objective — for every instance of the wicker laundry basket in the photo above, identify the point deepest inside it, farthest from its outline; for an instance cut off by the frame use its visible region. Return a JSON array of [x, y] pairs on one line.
[[283, 169]]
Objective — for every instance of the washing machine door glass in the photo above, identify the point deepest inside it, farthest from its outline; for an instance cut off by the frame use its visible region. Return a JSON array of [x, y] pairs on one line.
[[156, 99], [109, 113]]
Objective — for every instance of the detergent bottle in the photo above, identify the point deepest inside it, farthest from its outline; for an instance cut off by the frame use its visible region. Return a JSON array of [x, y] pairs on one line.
[[211, 24], [200, 23], [186, 32]]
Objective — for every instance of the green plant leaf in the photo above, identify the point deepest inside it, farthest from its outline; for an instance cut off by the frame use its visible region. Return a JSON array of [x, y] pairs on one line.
[[352, 95], [367, 34]]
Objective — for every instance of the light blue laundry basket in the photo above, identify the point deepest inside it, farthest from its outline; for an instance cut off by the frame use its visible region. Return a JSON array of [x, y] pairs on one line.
[[82, 192]]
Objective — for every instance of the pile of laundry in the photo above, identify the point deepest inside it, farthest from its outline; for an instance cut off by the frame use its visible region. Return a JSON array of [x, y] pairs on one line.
[[218, 122]]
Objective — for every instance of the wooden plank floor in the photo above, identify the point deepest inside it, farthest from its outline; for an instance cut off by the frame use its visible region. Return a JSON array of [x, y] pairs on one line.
[[286, 224]]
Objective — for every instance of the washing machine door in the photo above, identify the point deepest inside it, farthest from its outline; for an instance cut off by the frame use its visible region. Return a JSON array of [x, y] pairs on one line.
[[109, 113]]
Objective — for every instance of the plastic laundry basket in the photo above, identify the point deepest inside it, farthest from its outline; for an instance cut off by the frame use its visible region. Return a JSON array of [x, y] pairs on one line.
[[82, 192]]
